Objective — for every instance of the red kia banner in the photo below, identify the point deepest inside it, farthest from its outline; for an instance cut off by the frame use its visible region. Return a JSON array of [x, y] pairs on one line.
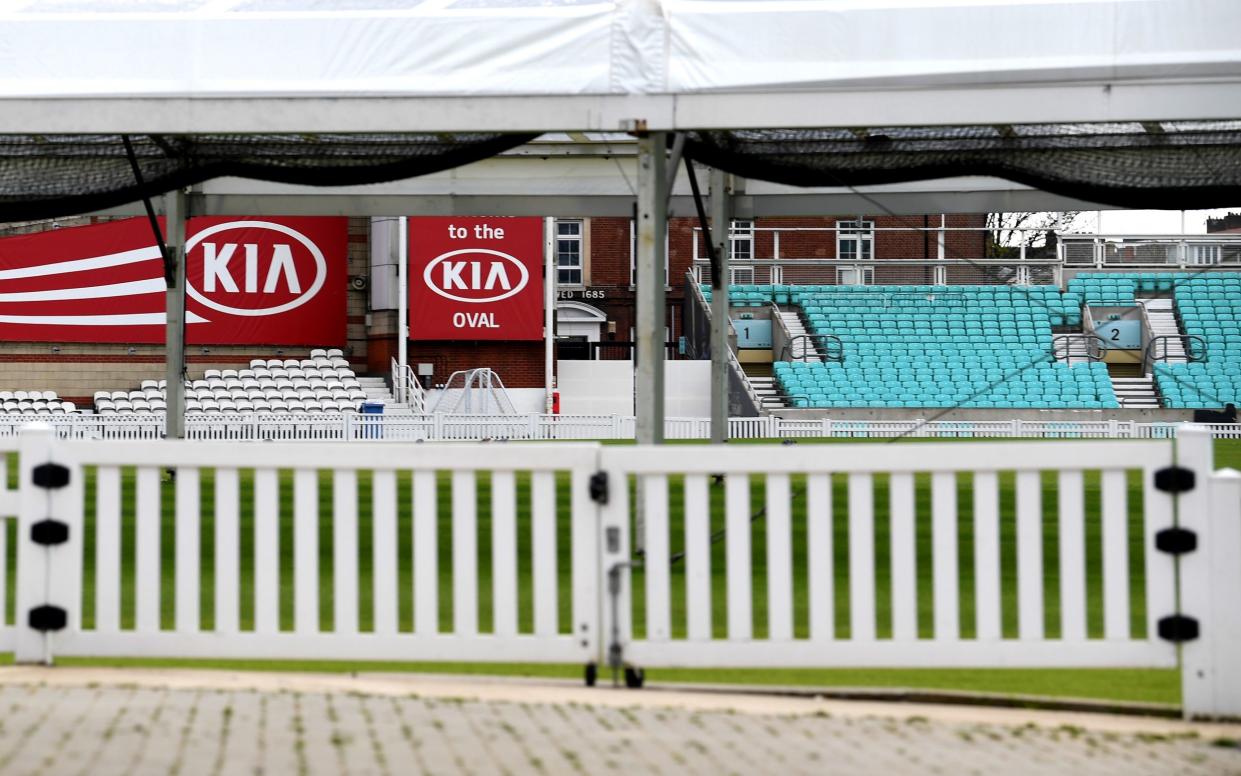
[[476, 278], [277, 281]]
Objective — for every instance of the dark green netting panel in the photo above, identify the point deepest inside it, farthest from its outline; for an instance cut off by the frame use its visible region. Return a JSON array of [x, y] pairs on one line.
[[46, 176], [1169, 165]]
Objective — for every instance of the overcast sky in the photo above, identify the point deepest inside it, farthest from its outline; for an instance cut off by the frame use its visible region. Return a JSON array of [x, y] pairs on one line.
[[1151, 221]]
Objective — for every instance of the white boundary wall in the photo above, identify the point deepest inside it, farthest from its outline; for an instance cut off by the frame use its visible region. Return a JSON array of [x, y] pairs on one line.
[[349, 427]]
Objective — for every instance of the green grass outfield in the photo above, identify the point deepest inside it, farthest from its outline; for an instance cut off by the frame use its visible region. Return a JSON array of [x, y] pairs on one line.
[[1147, 685]]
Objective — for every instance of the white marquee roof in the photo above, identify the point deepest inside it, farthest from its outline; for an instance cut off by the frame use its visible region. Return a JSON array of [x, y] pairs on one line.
[[410, 65]]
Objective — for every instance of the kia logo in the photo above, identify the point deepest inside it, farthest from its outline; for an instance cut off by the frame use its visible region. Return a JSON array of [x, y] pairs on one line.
[[280, 272], [487, 275]]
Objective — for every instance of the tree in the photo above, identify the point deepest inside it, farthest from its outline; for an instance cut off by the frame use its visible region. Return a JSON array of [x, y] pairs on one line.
[[1007, 233]]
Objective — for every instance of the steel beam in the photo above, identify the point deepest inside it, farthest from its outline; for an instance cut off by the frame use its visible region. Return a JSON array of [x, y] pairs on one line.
[[721, 223], [1065, 97], [175, 203], [649, 326]]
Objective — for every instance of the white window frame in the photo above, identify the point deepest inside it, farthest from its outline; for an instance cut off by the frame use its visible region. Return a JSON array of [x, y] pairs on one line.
[[868, 275], [1205, 254], [580, 266], [861, 234], [740, 276], [741, 235]]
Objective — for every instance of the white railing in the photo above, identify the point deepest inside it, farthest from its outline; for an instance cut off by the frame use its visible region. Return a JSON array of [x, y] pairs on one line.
[[271, 485], [801, 481], [553, 506], [406, 388], [1155, 251], [10, 507], [352, 427]]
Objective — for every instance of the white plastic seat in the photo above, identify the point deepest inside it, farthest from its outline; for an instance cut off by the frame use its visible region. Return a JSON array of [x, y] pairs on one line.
[[21, 395], [141, 405], [227, 373], [211, 374], [123, 405], [50, 396], [6, 395], [148, 384], [318, 353], [335, 353], [162, 385], [258, 363], [274, 362]]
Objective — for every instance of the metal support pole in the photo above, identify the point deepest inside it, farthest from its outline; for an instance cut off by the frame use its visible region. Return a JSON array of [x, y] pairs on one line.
[[649, 326], [174, 304], [402, 301], [721, 223], [549, 311]]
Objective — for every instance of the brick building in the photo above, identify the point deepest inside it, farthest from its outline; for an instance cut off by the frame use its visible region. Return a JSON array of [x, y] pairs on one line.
[[595, 306]]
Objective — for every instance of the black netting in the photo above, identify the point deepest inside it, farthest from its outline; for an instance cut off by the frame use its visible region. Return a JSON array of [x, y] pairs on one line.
[[46, 176], [1170, 165]]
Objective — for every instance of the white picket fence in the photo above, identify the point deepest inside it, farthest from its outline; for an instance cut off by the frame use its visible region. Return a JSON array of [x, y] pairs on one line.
[[352, 427], [545, 506]]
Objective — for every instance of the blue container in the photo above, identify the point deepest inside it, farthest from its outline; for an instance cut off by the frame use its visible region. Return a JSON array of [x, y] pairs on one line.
[[372, 427]]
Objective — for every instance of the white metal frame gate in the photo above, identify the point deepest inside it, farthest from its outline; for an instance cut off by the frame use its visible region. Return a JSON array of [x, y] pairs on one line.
[[1190, 541]]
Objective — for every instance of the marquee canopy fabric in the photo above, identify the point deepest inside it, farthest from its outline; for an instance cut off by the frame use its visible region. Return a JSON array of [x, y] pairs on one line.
[[244, 80], [265, 48]]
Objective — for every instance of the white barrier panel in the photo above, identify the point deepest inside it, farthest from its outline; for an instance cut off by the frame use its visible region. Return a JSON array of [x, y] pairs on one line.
[[390, 498], [874, 498]]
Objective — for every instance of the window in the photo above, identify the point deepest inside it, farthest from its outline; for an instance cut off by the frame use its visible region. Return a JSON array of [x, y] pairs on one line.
[[633, 255], [569, 253], [741, 275], [848, 276], [855, 240], [1204, 254], [741, 241]]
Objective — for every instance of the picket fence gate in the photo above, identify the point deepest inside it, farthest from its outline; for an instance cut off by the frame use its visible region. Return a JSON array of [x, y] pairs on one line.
[[815, 571]]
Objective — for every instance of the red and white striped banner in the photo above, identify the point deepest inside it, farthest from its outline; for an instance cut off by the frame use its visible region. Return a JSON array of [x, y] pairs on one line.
[[277, 281]]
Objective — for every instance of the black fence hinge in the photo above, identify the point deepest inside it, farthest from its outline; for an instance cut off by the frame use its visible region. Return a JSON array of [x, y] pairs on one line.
[[1178, 628], [49, 532], [1174, 479], [48, 618], [51, 476], [599, 487], [1176, 541]]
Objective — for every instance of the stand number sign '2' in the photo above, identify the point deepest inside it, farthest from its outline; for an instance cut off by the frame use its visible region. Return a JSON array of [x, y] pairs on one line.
[[475, 278]]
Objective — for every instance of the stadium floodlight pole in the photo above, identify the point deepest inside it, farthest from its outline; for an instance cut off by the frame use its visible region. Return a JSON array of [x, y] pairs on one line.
[[721, 227], [174, 304], [402, 304], [650, 257], [549, 310]]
